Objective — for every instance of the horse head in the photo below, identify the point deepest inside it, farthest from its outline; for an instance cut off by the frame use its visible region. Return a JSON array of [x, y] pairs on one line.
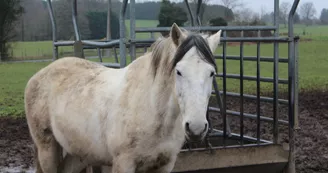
[[193, 68]]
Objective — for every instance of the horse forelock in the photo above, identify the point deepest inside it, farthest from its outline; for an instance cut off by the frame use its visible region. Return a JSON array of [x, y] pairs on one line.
[[162, 49], [201, 46]]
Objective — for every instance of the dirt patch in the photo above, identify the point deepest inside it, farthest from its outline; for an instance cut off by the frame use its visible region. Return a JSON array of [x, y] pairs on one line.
[[15, 143], [311, 140]]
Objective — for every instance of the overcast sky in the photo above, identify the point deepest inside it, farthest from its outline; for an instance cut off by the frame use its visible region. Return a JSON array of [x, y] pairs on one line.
[[256, 5]]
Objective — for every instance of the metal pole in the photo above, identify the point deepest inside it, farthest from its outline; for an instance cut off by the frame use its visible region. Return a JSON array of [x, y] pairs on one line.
[[190, 13], [241, 68], [258, 89], [224, 109], [122, 34], [108, 34], [132, 30], [198, 11], [291, 88], [109, 31], [74, 17], [54, 30], [296, 121], [275, 73]]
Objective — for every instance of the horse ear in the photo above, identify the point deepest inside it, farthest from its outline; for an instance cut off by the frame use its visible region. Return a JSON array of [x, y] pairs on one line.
[[177, 34], [214, 40]]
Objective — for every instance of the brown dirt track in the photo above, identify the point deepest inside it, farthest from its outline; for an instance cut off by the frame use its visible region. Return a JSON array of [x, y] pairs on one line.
[[311, 139]]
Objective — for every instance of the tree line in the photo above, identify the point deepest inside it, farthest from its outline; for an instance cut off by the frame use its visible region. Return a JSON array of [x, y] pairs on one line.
[[34, 24]]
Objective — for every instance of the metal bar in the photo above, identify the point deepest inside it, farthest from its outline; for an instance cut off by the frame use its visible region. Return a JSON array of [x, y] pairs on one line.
[[97, 44], [101, 44], [112, 65], [233, 39], [241, 68], [122, 34], [275, 73], [54, 30], [250, 116], [251, 58], [224, 51], [64, 43], [99, 55], [132, 30], [209, 28], [115, 55], [258, 92], [253, 97], [252, 78], [190, 13], [296, 121], [291, 88], [74, 18], [218, 97], [199, 4], [219, 147], [109, 30], [219, 133]]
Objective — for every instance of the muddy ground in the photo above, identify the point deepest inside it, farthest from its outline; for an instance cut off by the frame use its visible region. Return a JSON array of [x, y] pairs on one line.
[[311, 139]]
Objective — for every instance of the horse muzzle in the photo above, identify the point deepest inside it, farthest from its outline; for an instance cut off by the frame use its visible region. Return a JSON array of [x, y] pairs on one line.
[[196, 132]]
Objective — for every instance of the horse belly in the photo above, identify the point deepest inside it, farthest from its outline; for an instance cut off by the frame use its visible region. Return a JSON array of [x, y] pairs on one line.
[[80, 137]]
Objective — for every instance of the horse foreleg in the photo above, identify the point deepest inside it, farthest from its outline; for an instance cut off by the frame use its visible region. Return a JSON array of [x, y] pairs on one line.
[[37, 162], [72, 164], [48, 157]]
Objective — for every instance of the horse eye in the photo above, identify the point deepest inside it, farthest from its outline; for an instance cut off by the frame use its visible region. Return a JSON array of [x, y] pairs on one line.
[[212, 74], [178, 72]]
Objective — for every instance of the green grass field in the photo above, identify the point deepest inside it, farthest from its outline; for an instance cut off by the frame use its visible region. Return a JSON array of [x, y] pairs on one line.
[[43, 49], [312, 67]]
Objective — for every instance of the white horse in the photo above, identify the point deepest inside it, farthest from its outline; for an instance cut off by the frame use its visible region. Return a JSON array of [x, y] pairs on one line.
[[134, 119]]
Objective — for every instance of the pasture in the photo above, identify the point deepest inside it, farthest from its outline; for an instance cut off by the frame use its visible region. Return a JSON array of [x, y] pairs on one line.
[[313, 84]]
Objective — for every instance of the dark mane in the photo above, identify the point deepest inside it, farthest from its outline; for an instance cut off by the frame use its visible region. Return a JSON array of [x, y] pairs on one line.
[[201, 46], [161, 48]]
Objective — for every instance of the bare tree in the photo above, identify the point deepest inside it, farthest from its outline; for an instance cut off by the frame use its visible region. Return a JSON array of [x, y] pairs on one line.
[[263, 12], [193, 6], [307, 11], [232, 4], [284, 11], [244, 15]]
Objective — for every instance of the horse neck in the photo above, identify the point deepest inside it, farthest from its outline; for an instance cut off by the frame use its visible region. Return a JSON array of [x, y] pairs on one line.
[[163, 85], [166, 108], [165, 103]]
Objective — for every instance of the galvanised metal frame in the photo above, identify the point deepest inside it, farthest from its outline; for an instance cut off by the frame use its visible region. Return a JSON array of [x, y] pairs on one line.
[[292, 61]]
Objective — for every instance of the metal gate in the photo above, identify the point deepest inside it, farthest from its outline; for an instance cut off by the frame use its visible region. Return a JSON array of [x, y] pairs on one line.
[[228, 150]]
